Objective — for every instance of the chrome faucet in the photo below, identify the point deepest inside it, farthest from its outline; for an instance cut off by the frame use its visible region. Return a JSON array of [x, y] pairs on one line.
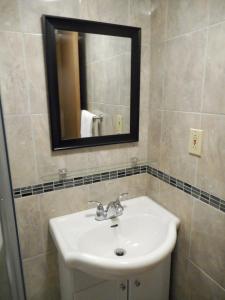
[[113, 209]]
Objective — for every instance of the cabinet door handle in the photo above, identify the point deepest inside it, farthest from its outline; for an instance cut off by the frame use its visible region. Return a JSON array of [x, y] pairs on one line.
[[123, 286], [137, 283]]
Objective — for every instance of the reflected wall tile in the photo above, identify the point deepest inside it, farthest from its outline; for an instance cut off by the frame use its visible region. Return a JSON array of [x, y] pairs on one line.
[[9, 16], [216, 11], [29, 226], [140, 16], [185, 16], [48, 162], [105, 86], [201, 286], [59, 203], [12, 74], [105, 11], [20, 147], [36, 73], [208, 241], [158, 20], [214, 97], [41, 277], [211, 165], [124, 78], [174, 157], [31, 12], [184, 72]]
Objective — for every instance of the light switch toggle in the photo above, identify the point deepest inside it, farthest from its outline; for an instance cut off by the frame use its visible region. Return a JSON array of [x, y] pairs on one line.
[[195, 141]]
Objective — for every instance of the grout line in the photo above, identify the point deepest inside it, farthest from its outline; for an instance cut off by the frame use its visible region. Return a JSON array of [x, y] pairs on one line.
[[192, 112], [206, 275], [191, 229]]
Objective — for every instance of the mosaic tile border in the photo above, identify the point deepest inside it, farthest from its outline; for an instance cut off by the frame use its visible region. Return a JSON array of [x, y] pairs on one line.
[[188, 188], [109, 175]]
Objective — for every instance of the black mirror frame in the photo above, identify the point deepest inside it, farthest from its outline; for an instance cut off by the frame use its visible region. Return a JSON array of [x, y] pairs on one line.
[[49, 24]]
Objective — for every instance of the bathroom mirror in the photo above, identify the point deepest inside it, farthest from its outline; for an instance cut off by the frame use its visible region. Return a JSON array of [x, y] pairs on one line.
[[93, 78]]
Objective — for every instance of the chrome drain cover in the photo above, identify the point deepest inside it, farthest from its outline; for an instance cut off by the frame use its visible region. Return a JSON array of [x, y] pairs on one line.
[[120, 251]]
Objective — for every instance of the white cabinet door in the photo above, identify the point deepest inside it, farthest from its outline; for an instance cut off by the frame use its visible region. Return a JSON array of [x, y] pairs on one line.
[[153, 285], [107, 290]]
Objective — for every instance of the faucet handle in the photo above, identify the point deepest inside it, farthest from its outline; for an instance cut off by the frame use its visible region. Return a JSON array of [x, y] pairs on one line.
[[99, 206], [100, 212]]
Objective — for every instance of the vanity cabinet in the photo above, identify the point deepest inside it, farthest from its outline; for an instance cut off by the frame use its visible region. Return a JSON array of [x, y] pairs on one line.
[[152, 285], [107, 290]]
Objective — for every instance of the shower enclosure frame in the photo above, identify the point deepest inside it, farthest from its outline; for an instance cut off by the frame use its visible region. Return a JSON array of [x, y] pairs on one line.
[[8, 221]]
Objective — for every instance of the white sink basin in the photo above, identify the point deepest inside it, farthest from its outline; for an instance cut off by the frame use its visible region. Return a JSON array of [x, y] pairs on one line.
[[146, 232]]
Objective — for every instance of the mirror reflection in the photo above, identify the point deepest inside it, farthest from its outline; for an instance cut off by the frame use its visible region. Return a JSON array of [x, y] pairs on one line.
[[94, 74]]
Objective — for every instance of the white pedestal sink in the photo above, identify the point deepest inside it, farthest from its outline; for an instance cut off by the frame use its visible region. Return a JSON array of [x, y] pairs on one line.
[[116, 249]]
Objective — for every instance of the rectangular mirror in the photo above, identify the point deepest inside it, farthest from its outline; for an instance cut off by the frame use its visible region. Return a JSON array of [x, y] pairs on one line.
[[93, 76]]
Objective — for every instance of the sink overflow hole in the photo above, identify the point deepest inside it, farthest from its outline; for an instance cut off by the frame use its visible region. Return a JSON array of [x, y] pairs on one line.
[[115, 225], [120, 252]]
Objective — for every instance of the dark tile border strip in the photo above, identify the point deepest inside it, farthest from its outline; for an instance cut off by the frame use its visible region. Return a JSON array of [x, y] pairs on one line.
[[78, 181], [189, 189], [109, 175]]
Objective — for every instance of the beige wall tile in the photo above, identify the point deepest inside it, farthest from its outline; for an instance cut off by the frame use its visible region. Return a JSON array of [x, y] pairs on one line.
[[211, 165], [181, 205], [9, 15], [154, 139], [137, 185], [59, 203], [217, 11], [201, 286], [185, 16], [106, 11], [29, 226], [12, 73], [184, 72], [48, 162], [158, 20], [145, 76], [140, 16], [179, 278], [36, 73], [41, 277], [153, 187], [157, 75], [108, 156], [174, 157], [208, 241], [20, 147], [31, 12], [214, 97]]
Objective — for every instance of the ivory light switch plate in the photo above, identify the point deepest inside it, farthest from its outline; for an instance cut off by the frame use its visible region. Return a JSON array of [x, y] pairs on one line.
[[195, 141], [119, 124]]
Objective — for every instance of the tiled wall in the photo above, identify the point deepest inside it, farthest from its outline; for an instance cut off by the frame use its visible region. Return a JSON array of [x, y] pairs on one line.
[[187, 91], [24, 92]]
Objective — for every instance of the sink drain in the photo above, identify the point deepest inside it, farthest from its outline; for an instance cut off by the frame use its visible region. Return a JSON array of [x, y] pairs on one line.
[[120, 252]]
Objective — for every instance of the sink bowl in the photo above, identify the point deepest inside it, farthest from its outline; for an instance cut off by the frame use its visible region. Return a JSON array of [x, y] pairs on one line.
[[117, 248]]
